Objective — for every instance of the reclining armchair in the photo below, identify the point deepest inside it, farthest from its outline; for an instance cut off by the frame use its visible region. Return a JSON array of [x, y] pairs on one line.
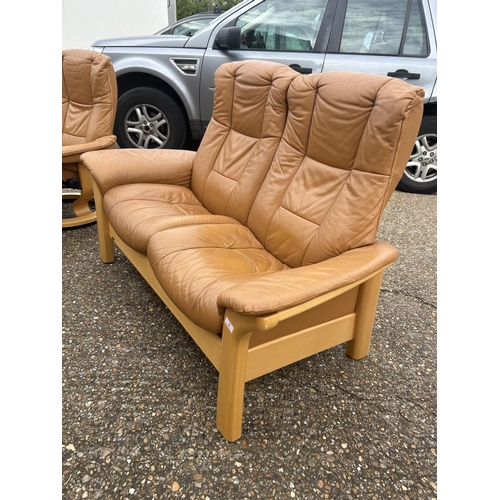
[[89, 97], [263, 242]]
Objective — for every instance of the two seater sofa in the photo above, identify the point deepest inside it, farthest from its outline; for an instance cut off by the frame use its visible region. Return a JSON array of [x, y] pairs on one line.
[[263, 242]]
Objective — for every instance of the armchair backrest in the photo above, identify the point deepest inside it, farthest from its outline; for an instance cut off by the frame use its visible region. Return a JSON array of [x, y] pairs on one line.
[[89, 96], [347, 140], [248, 119]]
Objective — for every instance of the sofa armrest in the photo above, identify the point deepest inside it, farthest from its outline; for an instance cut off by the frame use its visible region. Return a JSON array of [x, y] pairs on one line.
[[119, 167], [71, 152], [292, 287]]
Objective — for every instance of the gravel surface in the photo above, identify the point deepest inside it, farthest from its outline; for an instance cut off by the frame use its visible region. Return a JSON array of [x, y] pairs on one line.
[[139, 397]]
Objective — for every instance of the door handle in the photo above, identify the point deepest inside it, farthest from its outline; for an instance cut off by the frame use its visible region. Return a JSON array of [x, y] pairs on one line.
[[405, 74], [300, 69]]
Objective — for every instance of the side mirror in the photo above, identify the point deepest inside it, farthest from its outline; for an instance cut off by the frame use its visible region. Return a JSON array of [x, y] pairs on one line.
[[229, 38]]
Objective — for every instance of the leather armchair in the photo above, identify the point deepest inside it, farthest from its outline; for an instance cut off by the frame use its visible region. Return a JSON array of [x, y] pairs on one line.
[[89, 97]]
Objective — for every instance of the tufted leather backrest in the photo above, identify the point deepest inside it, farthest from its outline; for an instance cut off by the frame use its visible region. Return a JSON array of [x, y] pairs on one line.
[[249, 114], [347, 140], [89, 96]]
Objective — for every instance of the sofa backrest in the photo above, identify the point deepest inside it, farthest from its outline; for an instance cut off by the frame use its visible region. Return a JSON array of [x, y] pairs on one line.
[[347, 140], [89, 96], [249, 115]]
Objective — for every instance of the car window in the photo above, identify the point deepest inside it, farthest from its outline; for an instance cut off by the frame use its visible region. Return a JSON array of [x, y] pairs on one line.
[[388, 27], [189, 28], [416, 43], [282, 25]]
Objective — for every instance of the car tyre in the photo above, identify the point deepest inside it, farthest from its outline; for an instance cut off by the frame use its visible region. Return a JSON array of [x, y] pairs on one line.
[[420, 175], [147, 118]]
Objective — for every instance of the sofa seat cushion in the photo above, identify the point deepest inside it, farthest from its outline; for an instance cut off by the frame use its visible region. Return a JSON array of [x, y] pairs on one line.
[[194, 264], [137, 211]]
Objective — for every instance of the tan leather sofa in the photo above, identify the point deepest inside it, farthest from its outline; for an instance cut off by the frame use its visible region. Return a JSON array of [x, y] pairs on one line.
[[263, 242]]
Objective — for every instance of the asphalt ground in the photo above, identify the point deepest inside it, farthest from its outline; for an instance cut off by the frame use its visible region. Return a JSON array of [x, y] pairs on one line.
[[139, 397]]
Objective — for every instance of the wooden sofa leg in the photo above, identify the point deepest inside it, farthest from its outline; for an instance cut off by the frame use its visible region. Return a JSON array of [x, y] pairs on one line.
[[366, 306], [106, 249], [232, 373]]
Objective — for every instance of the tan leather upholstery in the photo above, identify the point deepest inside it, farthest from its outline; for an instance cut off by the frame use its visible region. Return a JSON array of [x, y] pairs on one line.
[[89, 98], [271, 187], [343, 151], [309, 190], [227, 169], [274, 217]]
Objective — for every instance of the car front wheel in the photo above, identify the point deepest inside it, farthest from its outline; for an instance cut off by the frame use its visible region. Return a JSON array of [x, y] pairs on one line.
[[420, 175], [147, 118]]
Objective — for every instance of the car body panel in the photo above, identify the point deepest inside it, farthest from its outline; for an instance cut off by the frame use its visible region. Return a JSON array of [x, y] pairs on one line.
[[141, 41], [131, 55], [147, 61]]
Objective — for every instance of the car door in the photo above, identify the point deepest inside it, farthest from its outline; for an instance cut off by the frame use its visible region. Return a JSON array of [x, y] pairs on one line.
[[292, 32], [386, 37]]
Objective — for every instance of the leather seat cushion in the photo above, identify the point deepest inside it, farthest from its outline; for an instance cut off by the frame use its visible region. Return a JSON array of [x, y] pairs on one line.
[[194, 264], [138, 211]]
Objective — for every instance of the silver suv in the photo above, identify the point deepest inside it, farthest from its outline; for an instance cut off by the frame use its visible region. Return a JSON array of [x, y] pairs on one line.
[[166, 82]]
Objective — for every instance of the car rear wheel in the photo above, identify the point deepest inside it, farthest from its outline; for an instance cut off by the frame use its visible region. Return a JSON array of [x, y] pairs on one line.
[[420, 175], [147, 118]]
